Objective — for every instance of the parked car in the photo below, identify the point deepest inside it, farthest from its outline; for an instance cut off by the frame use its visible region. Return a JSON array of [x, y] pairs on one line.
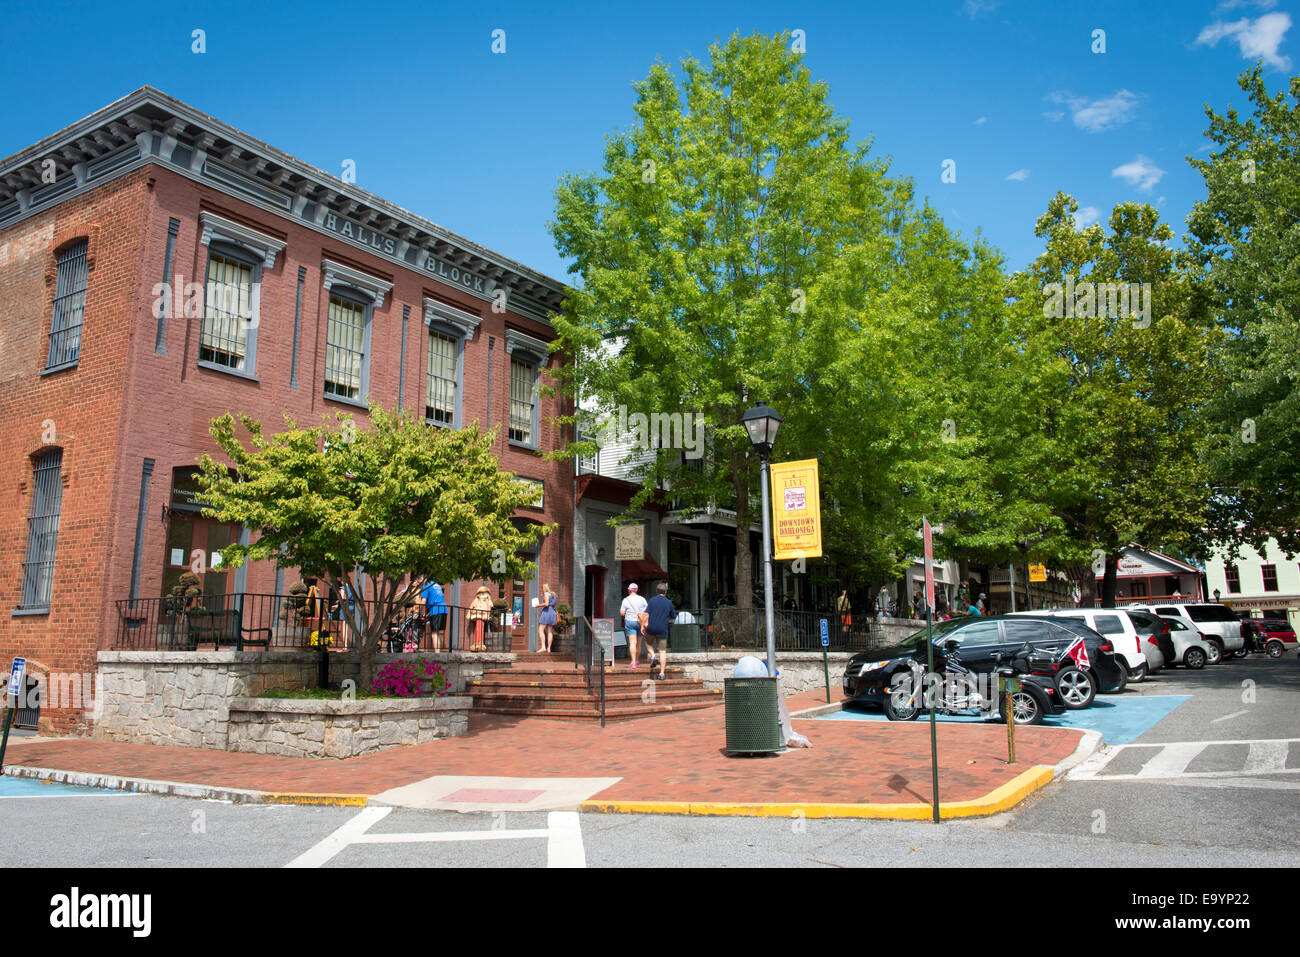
[[1174, 642], [1140, 657], [981, 639], [1220, 626], [1192, 647], [1274, 636]]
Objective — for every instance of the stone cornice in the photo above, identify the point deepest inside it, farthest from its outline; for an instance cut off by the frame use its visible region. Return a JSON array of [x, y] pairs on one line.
[[517, 341], [148, 126]]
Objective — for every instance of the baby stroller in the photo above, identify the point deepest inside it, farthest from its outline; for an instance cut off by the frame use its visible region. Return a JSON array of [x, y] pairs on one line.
[[406, 636]]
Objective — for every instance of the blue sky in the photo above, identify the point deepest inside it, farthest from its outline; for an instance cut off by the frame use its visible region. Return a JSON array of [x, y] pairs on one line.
[[475, 141]]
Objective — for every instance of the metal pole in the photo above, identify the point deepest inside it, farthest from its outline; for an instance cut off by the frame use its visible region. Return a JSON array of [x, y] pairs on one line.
[[9, 717], [767, 572], [1011, 567], [934, 706]]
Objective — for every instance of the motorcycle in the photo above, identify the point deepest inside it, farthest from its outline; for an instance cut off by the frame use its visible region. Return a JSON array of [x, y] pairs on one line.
[[956, 690]]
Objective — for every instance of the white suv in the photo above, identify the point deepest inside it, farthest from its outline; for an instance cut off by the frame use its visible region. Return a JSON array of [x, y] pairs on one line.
[[1114, 623], [1221, 628]]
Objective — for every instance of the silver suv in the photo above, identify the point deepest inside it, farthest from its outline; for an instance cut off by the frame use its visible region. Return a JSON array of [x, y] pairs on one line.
[[1218, 623]]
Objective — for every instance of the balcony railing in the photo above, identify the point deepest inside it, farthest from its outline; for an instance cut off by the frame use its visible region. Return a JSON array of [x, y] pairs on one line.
[[288, 623]]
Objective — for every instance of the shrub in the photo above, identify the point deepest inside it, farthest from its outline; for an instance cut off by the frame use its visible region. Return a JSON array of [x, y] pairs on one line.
[[396, 680]]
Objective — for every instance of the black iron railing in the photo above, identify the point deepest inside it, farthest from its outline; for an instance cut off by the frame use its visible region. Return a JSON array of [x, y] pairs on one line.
[[729, 627], [589, 657], [293, 622]]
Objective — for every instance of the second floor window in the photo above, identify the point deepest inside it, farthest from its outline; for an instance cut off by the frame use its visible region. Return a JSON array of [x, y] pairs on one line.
[[1270, 577], [345, 356], [69, 307], [1233, 574], [522, 402], [229, 313], [440, 381]]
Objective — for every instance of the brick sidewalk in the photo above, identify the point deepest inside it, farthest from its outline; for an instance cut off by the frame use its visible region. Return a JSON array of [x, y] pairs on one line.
[[665, 758]]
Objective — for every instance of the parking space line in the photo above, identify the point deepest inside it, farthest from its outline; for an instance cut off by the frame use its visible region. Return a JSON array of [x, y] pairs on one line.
[[437, 836], [1171, 760], [564, 846], [331, 846], [1266, 756]]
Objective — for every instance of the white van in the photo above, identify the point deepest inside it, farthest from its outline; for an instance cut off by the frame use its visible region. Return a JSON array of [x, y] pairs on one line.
[[1220, 626], [1141, 658]]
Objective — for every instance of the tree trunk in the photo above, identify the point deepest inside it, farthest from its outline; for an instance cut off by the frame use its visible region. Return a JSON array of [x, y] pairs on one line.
[[1108, 581], [744, 555]]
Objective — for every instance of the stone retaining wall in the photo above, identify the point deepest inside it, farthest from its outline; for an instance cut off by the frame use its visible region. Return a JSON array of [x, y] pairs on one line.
[[800, 670], [183, 698], [308, 728]]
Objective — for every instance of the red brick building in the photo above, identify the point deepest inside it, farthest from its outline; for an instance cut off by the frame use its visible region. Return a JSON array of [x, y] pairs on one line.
[[287, 290]]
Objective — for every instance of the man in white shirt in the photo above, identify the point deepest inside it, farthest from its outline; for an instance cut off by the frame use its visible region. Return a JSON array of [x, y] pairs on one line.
[[633, 605]]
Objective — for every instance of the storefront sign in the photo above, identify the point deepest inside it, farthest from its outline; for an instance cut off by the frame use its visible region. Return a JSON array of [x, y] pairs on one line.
[[1038, 573], [603, 629], [796, 510], [629, 543]]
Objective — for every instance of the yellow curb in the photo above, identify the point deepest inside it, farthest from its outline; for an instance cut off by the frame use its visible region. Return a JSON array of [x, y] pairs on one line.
[[1000, 799], [341, 800]]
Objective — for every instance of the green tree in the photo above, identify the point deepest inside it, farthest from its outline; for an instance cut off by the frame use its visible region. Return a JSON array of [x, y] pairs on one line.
[[398, 500], [1246, 234], [1086, 417], [737, 248]]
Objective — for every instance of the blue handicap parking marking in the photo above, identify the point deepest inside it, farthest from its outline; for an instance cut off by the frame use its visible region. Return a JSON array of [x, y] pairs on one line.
[[1121, 720], [31, 788]]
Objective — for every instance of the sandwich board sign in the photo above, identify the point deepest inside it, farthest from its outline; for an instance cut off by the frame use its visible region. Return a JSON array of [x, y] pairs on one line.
[[603, 630]]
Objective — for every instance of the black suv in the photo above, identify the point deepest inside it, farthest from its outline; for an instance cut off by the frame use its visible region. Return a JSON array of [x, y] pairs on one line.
[[982, 639]]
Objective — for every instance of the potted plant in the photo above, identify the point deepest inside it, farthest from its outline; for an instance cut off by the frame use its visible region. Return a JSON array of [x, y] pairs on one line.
[[564, 622]]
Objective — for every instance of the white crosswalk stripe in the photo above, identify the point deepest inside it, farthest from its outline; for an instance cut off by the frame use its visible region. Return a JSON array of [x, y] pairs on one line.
[[1169, 761]]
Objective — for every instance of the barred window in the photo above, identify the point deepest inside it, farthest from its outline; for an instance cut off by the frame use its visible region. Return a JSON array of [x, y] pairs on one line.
[[228, 315], [440, 381], [69, 307], [42, 531], [345, 355], [522, 401]]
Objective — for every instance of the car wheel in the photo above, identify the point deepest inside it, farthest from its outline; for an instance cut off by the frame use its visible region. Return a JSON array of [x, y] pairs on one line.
[[1123, 677], [1140, 672], [896, 707], [1275, 649], [1076, 688], [1024, 706], [1216, 652], [1194, 658]]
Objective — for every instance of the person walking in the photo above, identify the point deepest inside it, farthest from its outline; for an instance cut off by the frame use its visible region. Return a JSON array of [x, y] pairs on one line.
[[631, 610], [845, 609], [660, 614], [480, 610], [435, 611], [547, 620]]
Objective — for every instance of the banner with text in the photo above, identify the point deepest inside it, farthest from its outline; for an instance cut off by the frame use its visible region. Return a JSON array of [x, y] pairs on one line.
[[796, 510]]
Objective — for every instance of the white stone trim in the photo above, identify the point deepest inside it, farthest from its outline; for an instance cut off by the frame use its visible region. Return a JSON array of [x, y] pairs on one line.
[[523, 342], [338, 274], [260, 244], [464, 321]]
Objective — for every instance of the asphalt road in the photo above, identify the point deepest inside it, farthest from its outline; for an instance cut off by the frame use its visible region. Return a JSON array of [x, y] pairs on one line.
[[1196, 805]]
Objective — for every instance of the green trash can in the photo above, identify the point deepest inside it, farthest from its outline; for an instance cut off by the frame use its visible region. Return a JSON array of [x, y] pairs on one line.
[[685, 638], [753, 717]]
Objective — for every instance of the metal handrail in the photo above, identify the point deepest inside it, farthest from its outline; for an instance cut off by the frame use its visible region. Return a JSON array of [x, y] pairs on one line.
[[585, 659]]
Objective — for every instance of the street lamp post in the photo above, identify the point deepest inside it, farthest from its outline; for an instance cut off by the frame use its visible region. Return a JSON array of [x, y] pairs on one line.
[[762, 423]]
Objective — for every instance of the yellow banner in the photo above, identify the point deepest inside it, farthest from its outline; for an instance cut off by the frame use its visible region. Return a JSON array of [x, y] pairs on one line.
[[796, 510], [1037, 573]]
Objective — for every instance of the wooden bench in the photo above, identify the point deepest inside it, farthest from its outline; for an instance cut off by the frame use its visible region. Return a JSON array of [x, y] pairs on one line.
[[223, 627]]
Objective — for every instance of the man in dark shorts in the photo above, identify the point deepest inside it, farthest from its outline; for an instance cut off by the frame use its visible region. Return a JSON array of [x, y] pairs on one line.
[[662, 613], [435, 611]]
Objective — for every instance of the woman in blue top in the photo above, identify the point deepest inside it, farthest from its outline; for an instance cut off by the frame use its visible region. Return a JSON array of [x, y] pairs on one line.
[[546, 623], [435, 611]]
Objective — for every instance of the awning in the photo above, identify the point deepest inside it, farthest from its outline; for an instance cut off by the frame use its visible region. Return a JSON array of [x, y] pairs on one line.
[[643, 569]]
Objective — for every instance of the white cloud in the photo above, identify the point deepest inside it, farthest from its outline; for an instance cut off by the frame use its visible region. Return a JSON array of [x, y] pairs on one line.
[[974, 8], [1140, 172], [1019, 175], [981, 121], [1055, 116], [1227, 5], [1257, 39], [1086, 217], [1098, 115]]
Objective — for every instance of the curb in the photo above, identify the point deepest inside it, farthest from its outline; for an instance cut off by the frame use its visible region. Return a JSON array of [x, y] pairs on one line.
[[114, 782], [818, 710], [1089, 744], [1000, 799]]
